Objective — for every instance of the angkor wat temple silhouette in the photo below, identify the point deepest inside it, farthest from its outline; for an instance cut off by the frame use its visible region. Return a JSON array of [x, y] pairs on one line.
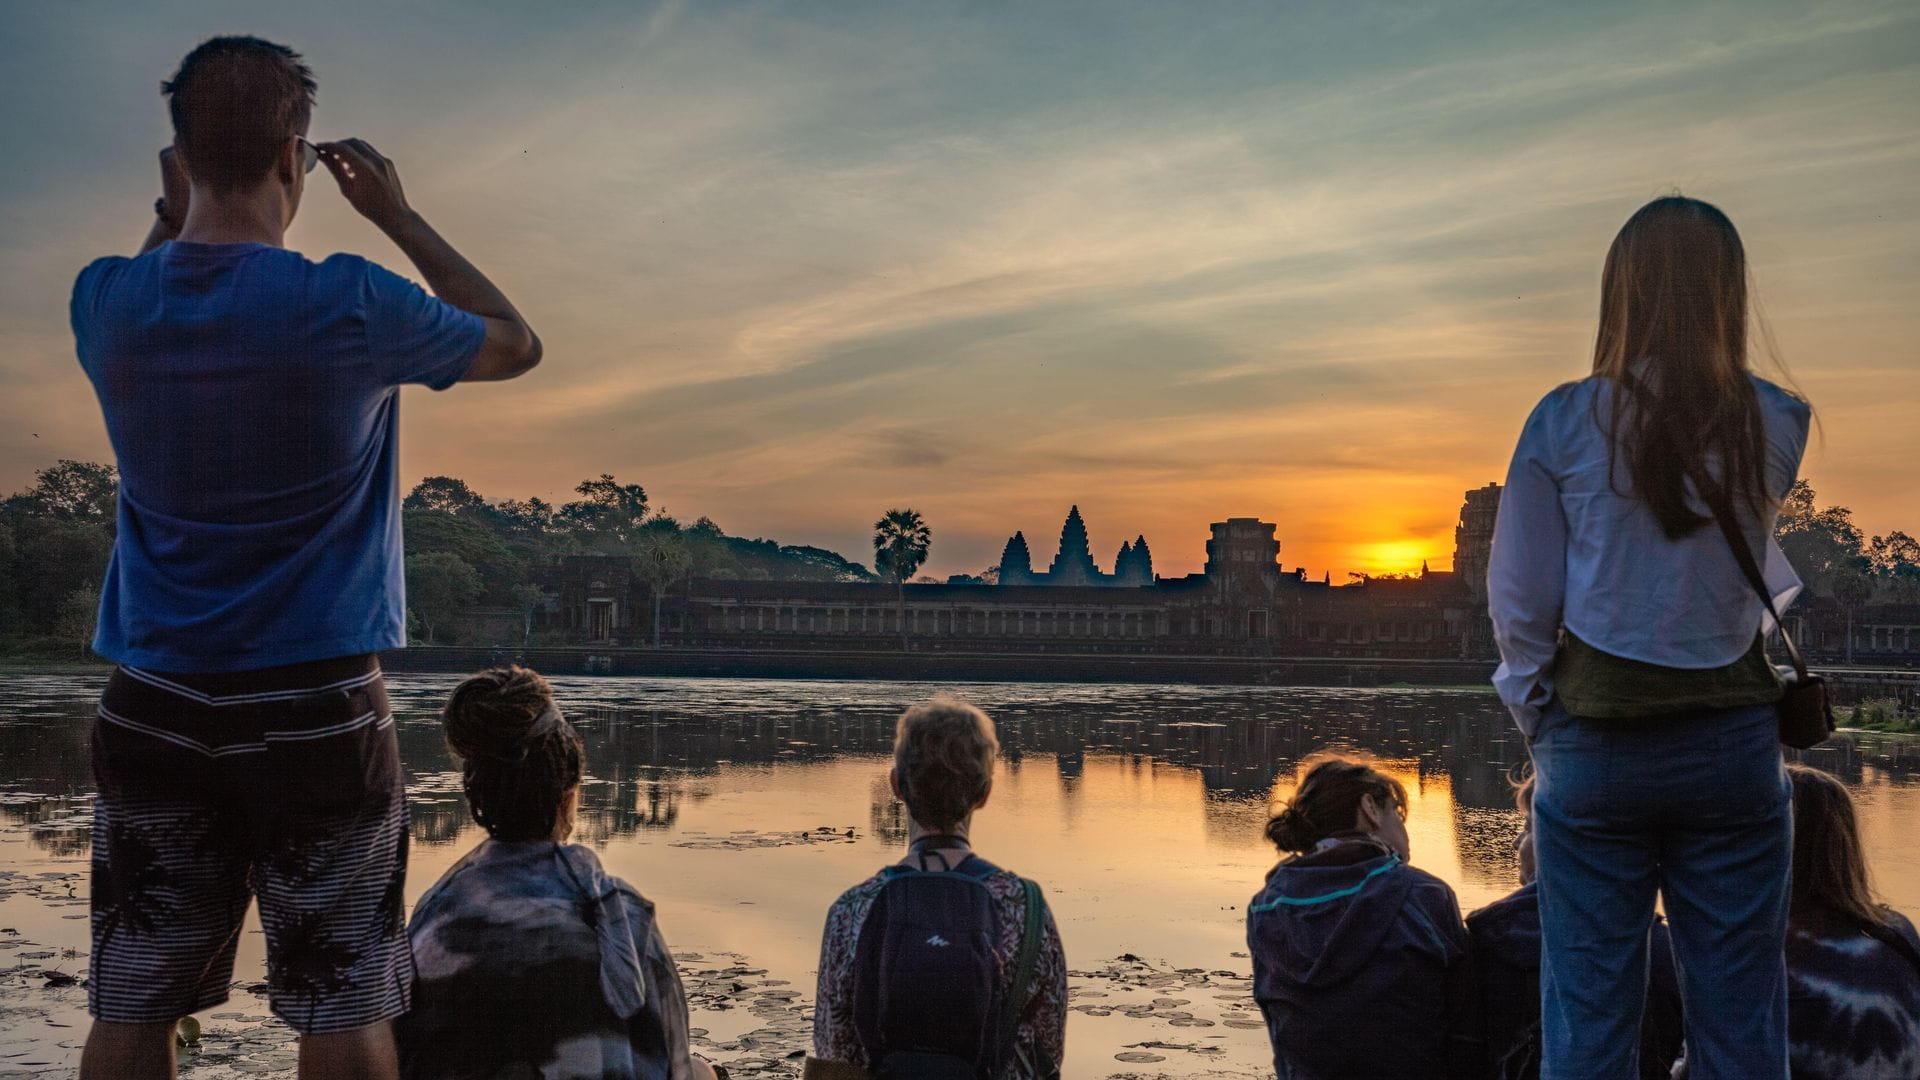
[[1074, 564]]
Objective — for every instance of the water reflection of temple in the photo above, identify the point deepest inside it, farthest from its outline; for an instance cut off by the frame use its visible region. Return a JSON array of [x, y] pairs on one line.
[[650, 766], [642, 760], [887, 815]]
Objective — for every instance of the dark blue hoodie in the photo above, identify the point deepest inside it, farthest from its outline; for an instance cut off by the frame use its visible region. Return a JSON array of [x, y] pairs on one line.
[[1506, 966], [1360, 966]]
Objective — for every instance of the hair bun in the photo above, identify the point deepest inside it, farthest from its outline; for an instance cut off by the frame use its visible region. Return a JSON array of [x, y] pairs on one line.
[[1289, 830], [1333, 787], [491, 715]]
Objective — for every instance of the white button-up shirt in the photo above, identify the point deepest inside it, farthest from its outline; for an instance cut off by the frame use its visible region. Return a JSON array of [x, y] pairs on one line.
[[1570, 550]]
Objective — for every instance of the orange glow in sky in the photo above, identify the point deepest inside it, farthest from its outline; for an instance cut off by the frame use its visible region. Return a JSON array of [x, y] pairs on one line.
[[793, 268], [1399, 556]]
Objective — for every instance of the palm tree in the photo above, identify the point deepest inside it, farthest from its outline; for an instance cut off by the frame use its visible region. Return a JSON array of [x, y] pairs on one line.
[[660, 558], [1852, 588], [901, 539], [528, 599]]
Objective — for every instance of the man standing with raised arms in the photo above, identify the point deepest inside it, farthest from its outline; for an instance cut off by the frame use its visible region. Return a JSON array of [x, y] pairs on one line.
[[244, 746]]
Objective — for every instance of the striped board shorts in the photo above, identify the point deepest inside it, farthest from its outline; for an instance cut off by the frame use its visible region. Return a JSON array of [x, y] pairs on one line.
[[283, 785]]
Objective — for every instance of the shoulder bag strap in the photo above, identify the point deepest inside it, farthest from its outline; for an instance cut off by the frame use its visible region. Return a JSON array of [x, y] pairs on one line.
[[1743, 554], [1007, 1024]]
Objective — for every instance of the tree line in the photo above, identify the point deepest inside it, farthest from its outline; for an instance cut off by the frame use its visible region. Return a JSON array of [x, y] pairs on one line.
[[465, 551]]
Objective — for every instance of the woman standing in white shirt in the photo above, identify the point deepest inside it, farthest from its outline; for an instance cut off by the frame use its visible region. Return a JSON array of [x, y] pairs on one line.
[[1632, 660]]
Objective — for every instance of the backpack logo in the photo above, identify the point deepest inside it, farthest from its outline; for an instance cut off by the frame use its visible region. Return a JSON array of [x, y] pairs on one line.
[[938, 942]]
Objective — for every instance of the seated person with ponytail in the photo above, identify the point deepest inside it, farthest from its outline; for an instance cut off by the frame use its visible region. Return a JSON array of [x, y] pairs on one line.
[[941, 965], [1359, 960], [532, 960]]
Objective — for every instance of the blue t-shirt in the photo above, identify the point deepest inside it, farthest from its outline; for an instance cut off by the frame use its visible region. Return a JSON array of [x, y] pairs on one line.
[[252, 398]]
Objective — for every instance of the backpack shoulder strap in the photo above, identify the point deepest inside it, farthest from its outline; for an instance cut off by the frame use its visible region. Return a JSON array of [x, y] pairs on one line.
[[975, 867], [1007, 1023]]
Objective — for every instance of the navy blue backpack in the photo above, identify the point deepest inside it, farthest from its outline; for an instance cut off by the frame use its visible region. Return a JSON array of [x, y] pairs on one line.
[[926, 996]]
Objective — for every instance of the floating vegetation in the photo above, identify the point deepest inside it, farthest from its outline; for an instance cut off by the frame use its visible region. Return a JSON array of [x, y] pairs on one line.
[[749, 840], [54, 887], [1193, 999], [723, 989]]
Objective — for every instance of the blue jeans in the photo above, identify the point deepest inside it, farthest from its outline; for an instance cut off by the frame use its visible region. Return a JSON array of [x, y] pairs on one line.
[[1697, 808]]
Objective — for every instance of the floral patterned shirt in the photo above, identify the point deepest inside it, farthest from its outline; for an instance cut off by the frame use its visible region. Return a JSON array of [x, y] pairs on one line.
[[1040, 1040]]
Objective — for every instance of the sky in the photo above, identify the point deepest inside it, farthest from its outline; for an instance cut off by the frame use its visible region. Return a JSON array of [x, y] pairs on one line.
[[797, 264]]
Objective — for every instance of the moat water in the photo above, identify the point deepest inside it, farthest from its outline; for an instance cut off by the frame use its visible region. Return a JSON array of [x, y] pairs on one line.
[[743, 807]]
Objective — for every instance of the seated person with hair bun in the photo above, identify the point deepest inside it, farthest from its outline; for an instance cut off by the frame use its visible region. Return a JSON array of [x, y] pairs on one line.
[[532, 960], [1359, 960]]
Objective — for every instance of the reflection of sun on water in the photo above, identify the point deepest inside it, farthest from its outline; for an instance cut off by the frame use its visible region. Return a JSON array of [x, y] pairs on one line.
[[1884, 806]]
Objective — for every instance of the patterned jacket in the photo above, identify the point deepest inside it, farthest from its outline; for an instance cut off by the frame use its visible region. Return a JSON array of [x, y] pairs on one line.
[[534, 962], [1853, 1001]]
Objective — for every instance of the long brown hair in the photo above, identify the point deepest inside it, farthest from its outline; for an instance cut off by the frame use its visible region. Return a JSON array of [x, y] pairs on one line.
[[1328, 800], [1673, 341], [1829, 868]]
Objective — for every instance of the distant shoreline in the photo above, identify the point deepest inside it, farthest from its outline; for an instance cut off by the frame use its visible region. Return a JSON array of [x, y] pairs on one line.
[[1468, 676], [1459, 676], [948, 666]]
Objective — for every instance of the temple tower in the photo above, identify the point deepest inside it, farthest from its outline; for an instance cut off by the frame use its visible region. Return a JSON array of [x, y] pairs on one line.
[[1016, 562], [1243, 544], [1074, 564], [1134, 564], [1473, 539], [1142, 562]]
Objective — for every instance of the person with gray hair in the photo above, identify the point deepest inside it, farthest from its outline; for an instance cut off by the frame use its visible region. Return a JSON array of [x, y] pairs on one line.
[[942, 964]]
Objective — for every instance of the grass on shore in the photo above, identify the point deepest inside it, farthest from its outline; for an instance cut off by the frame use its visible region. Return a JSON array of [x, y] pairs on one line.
[[1883, 715]]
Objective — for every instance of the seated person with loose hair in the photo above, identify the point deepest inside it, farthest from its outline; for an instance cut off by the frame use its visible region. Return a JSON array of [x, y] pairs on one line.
[[941, 965], [1853, 965], [1505, 937], [532, 960], [1359, 960]]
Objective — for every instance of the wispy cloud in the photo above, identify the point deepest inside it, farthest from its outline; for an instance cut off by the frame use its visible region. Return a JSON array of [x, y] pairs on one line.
[[795, 265]]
